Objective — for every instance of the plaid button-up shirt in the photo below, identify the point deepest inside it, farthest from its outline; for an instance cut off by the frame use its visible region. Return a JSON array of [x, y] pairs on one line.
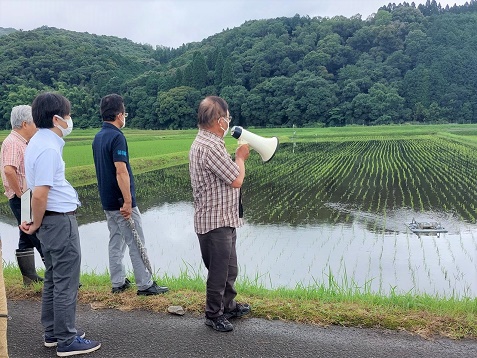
[[212, 170], [13, 154]]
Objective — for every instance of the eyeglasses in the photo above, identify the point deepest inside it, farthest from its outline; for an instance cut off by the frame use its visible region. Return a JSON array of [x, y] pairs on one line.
[[228, 119]]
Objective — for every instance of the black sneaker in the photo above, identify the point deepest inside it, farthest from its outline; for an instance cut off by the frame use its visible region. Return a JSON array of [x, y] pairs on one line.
[[241, 309], [220, 323], [153, 290], [122, 288]]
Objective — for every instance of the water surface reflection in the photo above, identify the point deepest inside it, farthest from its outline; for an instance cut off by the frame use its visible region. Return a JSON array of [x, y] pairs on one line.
[[383, 260]]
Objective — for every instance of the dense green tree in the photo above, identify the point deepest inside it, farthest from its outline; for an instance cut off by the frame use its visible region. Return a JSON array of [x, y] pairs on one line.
[[361, 74], [260, 71], [287, 67], [199, 71], [227, 74], [218, 69], [140, 107], [16, 95], [338, 54], [315, 97], [187, 76], [403, 63], [362, 40], [254, 110], [315, 59], [84, 108], [273, 93], [176, 108], [382, 18], [235, 97], [382, 105], [386, 105], [361, 108], [407, 14], [179, 78], [420, 113], [292, 112], [430, 8], [417, 84], [415, 43], [212, 58]]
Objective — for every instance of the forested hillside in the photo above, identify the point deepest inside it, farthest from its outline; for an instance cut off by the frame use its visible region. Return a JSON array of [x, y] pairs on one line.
[[402, 64]]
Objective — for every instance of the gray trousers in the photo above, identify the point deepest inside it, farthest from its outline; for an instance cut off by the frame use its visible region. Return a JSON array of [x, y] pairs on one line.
[[120, 237], [61, 248], [220, 258]]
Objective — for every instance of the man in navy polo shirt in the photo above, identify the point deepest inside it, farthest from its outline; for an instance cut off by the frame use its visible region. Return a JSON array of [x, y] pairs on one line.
[[118, 198]]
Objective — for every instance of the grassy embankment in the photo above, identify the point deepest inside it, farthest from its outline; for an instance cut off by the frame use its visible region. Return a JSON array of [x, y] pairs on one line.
[[324, 304]]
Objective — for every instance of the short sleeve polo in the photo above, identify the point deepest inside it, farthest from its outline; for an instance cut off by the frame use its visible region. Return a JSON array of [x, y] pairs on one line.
[[110, 146]]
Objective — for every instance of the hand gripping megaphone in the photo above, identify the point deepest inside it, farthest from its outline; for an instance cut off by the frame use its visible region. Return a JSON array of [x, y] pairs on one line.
[[266, 147]]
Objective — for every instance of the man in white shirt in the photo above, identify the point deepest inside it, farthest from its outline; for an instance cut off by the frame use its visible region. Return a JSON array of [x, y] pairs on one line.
[[54, 203]]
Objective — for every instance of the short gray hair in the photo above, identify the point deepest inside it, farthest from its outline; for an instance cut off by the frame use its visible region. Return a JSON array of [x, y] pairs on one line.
[[19, 115], [211, 108]]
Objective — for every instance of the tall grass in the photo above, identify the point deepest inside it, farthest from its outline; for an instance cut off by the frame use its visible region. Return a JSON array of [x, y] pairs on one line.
[[327, 303]]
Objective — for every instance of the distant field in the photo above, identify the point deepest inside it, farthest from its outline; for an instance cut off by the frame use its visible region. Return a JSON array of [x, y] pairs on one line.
[[153, 149]]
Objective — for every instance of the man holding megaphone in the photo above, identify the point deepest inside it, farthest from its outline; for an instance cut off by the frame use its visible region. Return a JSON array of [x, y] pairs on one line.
[[216, 180]]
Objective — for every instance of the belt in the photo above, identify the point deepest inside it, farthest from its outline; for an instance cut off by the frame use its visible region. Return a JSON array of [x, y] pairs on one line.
[[53, 213]]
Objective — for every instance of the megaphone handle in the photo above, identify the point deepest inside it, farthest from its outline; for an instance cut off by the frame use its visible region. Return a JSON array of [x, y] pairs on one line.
[[242, 141]]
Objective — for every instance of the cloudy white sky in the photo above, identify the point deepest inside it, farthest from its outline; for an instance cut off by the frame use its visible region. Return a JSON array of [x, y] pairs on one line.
[[171, 22]]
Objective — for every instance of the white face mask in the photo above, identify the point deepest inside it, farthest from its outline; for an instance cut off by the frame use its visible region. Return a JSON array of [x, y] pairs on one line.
[[225, 130], [125, 115], [68, 129]]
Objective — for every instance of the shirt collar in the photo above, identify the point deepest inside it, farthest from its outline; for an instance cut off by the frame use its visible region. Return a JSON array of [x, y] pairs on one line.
[[111, 126], [19, 136], [211, 135], [48, 132]]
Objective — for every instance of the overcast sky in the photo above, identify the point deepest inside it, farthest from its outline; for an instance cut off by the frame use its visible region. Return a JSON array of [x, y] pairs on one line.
[[171, 23]]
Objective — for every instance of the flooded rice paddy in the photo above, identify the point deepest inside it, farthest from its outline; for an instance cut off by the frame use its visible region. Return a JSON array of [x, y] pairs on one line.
[[328, 214]]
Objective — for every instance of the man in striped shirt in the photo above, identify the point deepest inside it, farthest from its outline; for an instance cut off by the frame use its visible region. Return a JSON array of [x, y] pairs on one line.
[[216, 180], [13, 176]]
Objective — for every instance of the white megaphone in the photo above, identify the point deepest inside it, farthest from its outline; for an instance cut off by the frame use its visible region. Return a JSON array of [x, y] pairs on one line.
[[266, 147]]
